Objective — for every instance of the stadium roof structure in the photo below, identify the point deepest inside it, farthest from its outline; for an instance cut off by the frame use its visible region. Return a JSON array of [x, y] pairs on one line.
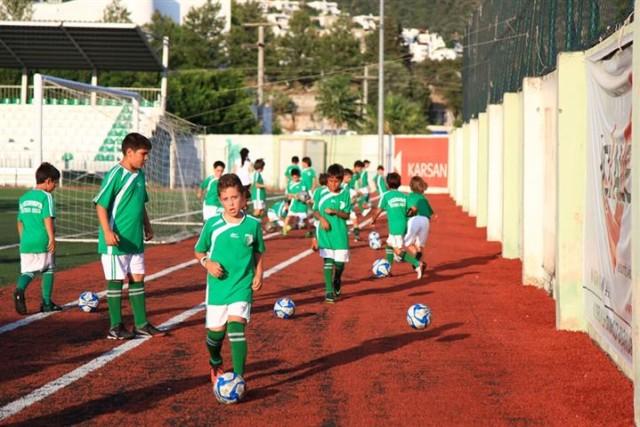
[[75, 46]]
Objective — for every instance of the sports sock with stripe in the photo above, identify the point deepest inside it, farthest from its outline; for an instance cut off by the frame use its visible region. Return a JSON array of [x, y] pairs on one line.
[[114, 301], [407, 257], [235, 330], [47, 286], [136, 299], [339, 270], [214, 345], [24, 280], [356, 232], [328, 275], [389, 254]]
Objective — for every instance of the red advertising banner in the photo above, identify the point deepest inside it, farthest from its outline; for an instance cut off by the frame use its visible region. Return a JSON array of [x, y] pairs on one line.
[[425, 156]]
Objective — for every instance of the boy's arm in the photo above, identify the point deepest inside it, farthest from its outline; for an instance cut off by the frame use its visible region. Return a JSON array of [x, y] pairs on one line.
[[20, 229], [148, 230], [199, 193], [323, 221], [212, 267], [110, 238], [256, 285], [375, 215], [51, 232]]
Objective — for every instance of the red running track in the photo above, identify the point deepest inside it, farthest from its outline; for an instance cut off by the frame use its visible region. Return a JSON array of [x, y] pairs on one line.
[[491, 356]]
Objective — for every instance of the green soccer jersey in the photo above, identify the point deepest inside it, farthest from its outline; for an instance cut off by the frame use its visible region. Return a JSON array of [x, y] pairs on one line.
[[364, 179], [232, 246], [319, 192], [381, 185], [123, 194], [295, 188], [395, 204], [210, 186], [258, 193], [33, 207], [355, 180], [307, 177], [279, 209], [337, 237], [287, 172], [418, 201]]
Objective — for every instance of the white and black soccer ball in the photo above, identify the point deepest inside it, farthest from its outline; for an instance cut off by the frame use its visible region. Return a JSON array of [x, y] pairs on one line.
[[229, 388], [88, 302], [419, 316], [303, 196], [381, 268], [284, 308], [374, 240]]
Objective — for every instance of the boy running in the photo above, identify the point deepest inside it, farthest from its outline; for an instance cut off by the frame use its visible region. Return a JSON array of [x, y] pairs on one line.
[[124, 224], [230, 249], [36, 215], [420, 213], [332, 210], [209, 191], [395, 204], [258, 189]]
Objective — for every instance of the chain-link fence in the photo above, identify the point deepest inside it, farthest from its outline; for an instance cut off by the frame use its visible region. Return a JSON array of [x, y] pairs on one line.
[[508, 40]]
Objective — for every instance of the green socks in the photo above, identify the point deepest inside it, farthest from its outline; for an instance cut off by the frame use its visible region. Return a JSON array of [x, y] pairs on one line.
[[339, 270], [407, 257], [136, 299], [214, 345], [114, 301], [47, 286], [238, 342], [24, 280], [389, 254], [328, 275]]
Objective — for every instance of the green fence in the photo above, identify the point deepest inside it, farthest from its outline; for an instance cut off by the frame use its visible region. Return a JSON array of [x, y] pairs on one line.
[[508, 40]]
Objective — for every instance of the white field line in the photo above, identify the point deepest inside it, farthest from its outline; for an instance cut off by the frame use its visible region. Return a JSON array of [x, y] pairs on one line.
[[50, 388], [35, 317]]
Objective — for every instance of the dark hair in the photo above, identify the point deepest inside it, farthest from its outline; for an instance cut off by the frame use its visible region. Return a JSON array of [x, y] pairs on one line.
[[322, 178], [218, 163], [295, 172], [258, 164], [244, 154], [358, 164], [366, 162], [393, 180], [335, 170], [380, 168], [135, 142], [230, 180], [307, 160], [295, 159], [348, 171], [47, 171]]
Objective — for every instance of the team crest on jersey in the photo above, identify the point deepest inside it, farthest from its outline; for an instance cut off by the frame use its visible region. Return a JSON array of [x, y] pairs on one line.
[[343, 205], [248, 239]]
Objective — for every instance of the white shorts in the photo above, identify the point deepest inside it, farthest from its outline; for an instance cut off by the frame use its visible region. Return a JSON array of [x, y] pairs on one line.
[[417, 231], [364, 190], [36, 263], [218, 315], [210, 211], [396, 241], [338, 255], [273, 217], [258, 205], [117, 267]]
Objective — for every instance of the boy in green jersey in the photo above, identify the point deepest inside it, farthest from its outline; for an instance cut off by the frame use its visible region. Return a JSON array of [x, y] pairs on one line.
[[331, 209], [209, 191], [277, 214], [317, 194], [349, 182], [258, 189], [298, 194], [124, 225], [379, 182], [420, 213], [363, 202], [36, 214], [308, 175], [230, 249], [294, 165], [395, 204]]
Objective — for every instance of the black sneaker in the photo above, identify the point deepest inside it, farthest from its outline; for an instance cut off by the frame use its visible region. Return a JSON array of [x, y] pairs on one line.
[[337, 286], [330, 298], [119, 332], [19, 301], [47, 308], [147, 330]]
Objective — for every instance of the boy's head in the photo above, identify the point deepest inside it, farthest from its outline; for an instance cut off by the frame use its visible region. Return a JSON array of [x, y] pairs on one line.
[[366, 163], [135, 148], [295, 174], [259, 165], [47, 176], [358, 165], [322, 178], [394, 180], [335, 175], [418, 185], [295, 160], [231, 194], [306, 162], [348, 174], [218, 168], [380, 170]]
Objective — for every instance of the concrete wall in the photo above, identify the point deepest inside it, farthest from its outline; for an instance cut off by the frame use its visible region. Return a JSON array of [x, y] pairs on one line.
[[495, 181], [466, 166], [483, 169], [459, 161], [473, 167], [512, 176]]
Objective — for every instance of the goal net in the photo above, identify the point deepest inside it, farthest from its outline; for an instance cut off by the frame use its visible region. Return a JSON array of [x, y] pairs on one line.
[[80, 128]]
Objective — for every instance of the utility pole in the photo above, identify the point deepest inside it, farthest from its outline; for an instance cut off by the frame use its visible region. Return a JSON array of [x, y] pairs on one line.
[[365, 88], [260, 47], [381, 87]]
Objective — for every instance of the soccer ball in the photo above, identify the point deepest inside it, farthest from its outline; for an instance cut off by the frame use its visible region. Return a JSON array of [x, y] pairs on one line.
[[229, 388], [284, 308], [303, 196], [419, 316], [381, 268], [374, 240], [88, 302]]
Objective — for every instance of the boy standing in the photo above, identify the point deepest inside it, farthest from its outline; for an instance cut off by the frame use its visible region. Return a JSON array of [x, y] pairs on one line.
[[230, 248], [258, 189], [36, 214], [332, 210], [349, 184], [297, 193], [209, 190], [308, 174], [124, 224], [395, 204], [379, 181], [294, 165]]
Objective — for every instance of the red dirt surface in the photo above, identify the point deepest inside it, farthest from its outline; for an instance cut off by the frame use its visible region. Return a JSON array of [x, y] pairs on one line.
[[491, 356]]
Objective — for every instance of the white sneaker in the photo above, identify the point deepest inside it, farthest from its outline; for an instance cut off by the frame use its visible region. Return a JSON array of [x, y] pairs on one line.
[[419, 270]]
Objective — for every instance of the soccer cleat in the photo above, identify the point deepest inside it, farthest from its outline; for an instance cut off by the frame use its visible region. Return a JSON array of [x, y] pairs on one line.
[[19, 301], [337, 286], [330, 298], [147, 330], [47, 308], [119, 332], [420, 270], [216, 371]]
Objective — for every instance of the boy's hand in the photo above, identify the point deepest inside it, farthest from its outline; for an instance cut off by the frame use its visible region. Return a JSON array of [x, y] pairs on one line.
[[111, 238], [52, 246], [330, 211], [325, 224], [148, 233], [214, 268], [314, 245], [256, 285]]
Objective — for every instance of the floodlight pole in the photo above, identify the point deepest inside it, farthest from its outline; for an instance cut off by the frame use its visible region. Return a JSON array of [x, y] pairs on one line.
[[381, 87], [165, 73], [37, 105]]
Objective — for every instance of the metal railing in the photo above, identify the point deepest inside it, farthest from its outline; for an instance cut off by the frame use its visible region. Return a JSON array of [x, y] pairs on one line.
[[10, 94]]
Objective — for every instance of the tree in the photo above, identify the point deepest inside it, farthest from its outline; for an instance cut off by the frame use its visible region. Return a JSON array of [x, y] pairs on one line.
[[401, 116], [339, 49], [203, 41], [116, 12], [162, 26], [297, 49], [240, 36], [339, 103], [16, 10]]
